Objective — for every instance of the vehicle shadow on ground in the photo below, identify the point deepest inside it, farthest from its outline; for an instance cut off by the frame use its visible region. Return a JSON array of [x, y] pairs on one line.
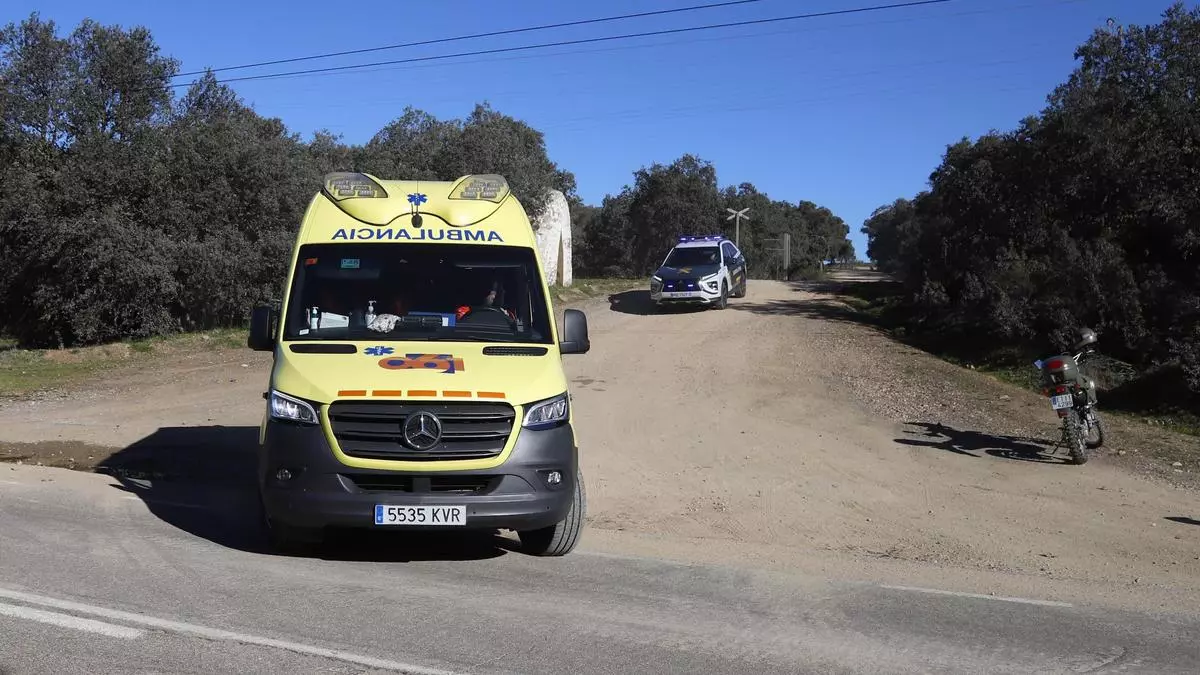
[[638, 303], [977, 444], [202, 481]]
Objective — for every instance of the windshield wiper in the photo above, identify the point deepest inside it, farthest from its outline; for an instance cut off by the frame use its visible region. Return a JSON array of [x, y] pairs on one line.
[[465, 336]]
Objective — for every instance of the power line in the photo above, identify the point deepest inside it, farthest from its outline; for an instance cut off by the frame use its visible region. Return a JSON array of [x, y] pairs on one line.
[[368, 68], [511, 31], [770, 102], [564, 43], [837, 77], [876, 95]]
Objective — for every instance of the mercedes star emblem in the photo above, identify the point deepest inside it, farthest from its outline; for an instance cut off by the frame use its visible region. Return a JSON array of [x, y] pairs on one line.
[[422, 431]]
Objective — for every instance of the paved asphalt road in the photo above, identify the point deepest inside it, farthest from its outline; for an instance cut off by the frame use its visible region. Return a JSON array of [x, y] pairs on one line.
[[96, 577]]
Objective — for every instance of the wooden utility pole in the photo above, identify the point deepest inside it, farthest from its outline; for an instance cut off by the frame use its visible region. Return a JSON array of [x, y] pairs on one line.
[[737, 216]]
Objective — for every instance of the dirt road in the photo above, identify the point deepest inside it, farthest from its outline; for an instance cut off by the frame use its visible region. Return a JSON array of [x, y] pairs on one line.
[[751, 437]]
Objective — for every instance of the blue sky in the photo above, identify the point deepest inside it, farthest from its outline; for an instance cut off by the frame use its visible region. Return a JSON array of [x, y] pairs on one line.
[[849, 112]]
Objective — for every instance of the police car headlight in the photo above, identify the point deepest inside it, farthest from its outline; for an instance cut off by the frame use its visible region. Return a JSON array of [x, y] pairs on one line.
[[288, 409], [547, 414], [710, 282]]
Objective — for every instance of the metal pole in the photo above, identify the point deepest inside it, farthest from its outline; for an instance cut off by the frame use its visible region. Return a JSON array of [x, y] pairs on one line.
[[787, 252]]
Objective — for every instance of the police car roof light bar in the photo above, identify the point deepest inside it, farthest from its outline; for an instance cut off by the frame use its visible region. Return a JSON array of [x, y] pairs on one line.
[[706, 237]]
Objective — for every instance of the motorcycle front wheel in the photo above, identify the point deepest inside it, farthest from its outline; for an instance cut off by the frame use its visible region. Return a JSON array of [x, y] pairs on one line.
[[1094, 436]]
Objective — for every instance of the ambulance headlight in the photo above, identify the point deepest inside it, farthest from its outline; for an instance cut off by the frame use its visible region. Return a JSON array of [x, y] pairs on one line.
[[547, 414], [285, 408]]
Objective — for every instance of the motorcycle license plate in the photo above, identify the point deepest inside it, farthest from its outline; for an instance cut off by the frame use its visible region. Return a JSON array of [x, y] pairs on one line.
[[1062, 401]]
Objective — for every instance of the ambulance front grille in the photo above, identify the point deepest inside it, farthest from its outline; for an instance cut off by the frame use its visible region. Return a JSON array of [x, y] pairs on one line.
[[375, 429]]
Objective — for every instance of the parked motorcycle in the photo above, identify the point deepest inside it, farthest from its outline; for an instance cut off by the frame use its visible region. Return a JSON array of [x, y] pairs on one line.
[[1073, 396]]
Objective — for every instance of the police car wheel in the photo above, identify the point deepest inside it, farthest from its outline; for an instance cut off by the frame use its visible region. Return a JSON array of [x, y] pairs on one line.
[[723, 301]]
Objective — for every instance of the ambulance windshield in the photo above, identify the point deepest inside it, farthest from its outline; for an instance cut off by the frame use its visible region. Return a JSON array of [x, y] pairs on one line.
[[422, 292]]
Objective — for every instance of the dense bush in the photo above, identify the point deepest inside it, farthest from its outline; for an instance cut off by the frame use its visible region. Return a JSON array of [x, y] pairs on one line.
[[1086, 214], [125, 212]]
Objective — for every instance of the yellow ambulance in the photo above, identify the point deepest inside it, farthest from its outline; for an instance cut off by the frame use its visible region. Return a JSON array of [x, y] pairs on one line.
[[417, 380]]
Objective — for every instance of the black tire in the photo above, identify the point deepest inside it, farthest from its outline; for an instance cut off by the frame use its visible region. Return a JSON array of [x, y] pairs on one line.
[[1098, 427], [561, 538], [292, 540], [723, 301], [1074, 439], [287, 539], [741, 288]]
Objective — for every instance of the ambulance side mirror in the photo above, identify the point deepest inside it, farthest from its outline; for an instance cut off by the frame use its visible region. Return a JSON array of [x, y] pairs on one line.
[[574, 338], [263, 323]]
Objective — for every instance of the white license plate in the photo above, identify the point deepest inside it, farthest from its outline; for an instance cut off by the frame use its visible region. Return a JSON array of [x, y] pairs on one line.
[[1062, 401], [682, 294], [437, 516]]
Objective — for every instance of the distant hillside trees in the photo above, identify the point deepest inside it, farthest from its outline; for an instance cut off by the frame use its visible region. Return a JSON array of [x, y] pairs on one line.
[[631, 232]]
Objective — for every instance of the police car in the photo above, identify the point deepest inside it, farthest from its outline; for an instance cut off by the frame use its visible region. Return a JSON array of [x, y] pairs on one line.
[[700, 270]]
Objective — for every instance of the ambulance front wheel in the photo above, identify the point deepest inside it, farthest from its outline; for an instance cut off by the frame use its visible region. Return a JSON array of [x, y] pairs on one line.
[[559, 539], [287, 539]]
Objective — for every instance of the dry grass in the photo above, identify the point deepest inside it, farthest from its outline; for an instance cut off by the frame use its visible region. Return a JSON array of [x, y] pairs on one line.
[[25, 373]]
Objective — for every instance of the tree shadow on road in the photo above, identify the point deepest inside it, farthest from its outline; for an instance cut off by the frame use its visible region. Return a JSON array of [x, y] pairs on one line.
[[202, 480], [976, 444], [828, 305], [1182, 520]]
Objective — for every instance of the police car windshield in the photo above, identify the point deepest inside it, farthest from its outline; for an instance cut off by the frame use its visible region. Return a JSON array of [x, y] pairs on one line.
[[693, 255], [417, 292]]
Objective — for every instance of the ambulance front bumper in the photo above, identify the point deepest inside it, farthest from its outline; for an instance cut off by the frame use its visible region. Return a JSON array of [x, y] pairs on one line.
[[304, 485]]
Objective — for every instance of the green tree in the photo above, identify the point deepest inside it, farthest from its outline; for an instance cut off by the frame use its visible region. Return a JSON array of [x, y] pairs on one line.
[[418, 146], [668, 202]]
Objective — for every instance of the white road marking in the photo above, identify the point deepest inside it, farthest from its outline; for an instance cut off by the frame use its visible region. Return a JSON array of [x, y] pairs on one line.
[[980, 596], [182, 628], [68, 621]]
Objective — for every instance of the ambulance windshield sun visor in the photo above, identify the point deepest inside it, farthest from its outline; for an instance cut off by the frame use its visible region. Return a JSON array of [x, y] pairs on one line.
[[392, 292]]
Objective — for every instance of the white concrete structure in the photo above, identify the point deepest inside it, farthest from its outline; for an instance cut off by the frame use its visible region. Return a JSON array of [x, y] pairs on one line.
[[554, 238]]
